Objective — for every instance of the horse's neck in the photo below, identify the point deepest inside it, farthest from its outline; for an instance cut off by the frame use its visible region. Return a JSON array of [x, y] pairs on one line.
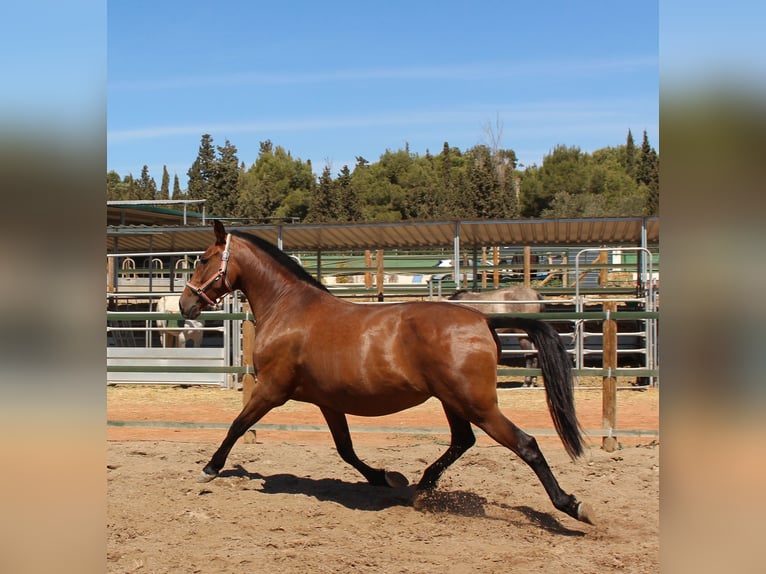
[[272, 289]]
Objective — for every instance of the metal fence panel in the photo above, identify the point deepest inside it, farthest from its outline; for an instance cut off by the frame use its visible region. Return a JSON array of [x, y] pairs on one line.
[[189, 358]]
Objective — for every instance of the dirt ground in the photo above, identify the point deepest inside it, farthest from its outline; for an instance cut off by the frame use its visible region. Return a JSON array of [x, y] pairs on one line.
[[286, 503]]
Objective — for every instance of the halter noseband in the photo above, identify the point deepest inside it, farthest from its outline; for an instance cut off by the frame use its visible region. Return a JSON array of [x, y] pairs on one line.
[[200, 291]]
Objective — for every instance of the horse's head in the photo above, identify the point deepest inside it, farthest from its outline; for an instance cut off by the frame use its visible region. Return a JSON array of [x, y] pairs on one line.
[[213, 276]]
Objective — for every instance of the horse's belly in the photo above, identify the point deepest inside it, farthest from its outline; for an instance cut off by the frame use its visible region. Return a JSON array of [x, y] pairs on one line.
[[361, 400]]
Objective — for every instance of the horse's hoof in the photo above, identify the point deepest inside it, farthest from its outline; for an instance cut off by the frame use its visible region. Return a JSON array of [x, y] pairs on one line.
[[205, 477], [396, 479], [584, 513]]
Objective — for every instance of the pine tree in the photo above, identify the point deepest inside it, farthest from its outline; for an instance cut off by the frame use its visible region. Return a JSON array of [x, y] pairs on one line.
[[202, 169], [447, 198], [648, 174], [484, 188], [223, 189], [146, 186], [164, 192], [324, 203], [177, 193], [131, 190], [630, 155], [349, 208]]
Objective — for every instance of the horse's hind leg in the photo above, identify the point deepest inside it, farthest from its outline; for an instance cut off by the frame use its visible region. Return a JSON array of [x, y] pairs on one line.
[[342, 437], [506, 433], [530, 361], [462, 439], [252, 412]]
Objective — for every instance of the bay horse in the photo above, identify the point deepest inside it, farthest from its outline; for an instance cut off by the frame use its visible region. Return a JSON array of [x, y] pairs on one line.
[[513, 299], [373, 360]]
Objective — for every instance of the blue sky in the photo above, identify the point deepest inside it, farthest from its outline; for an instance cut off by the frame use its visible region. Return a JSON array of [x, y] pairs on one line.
[[329, 81]]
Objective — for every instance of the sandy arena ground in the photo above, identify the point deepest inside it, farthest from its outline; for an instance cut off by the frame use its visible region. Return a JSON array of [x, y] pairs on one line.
[[286, 503]]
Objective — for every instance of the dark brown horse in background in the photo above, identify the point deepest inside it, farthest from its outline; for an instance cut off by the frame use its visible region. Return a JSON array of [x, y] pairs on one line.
[[375, 360], [513, 299]]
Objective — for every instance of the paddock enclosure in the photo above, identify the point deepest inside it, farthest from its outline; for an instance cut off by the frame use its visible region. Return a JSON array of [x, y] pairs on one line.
[[286, 503], [581, 267]]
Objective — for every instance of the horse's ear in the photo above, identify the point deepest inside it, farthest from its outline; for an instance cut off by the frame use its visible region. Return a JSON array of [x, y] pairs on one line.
[[220, 232]]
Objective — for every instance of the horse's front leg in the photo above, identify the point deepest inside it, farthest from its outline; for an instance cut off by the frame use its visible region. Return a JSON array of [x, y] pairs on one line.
[[342, 437], [257, 406]]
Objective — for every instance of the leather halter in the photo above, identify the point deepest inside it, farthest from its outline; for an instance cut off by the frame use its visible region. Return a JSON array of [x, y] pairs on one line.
[[201, 291]]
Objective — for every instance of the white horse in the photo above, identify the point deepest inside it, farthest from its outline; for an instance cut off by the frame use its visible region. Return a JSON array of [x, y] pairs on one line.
[[189, 336]]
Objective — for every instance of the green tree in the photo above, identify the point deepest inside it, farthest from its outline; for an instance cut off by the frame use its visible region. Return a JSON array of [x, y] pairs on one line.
[[609, 190], [630, 155], [482, 181], [324, 201], [201, 171], [504, 163], [146, 186], [295, 206], [223, 190], [450, 177], [177, 193], [379, 185], [214, 177], [275, 176], [348, 200], [490, 185], [563, 171], [131, 190], [116, 189], [164, 192], [648, 174]]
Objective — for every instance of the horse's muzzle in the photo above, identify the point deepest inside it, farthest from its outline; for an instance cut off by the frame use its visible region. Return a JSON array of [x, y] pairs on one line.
[[189, 306]]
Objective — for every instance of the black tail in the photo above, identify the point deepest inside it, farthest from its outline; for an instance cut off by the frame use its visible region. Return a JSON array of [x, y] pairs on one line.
[[557, 376]]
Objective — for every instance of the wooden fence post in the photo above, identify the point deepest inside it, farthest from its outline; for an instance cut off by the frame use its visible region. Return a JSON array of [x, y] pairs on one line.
[[110, 274], [380, 275], [609, 385], [248, 379], [367, 274], [564, 270], [527, 263]]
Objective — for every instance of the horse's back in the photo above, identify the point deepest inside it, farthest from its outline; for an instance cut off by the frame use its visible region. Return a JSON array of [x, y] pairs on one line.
[[168, 304], [447, 333], [372, 360], [512, 297], [532, 299]]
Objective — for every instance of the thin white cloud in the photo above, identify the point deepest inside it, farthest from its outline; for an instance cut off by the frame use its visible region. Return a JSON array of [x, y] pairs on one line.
[[537, 116], [306, 124], [465, 72]]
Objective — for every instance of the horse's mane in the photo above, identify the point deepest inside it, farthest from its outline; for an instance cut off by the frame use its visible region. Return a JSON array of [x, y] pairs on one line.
[[456, 293], [281, 258]]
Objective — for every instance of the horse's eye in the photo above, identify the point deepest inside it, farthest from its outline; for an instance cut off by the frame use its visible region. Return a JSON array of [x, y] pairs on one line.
[[200, 262]]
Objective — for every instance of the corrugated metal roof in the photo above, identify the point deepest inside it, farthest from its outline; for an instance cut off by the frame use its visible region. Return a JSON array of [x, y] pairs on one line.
[[118, 214], [305, 237]]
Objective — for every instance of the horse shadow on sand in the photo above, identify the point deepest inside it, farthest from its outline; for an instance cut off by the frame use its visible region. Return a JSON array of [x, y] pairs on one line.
[[362, 496]]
